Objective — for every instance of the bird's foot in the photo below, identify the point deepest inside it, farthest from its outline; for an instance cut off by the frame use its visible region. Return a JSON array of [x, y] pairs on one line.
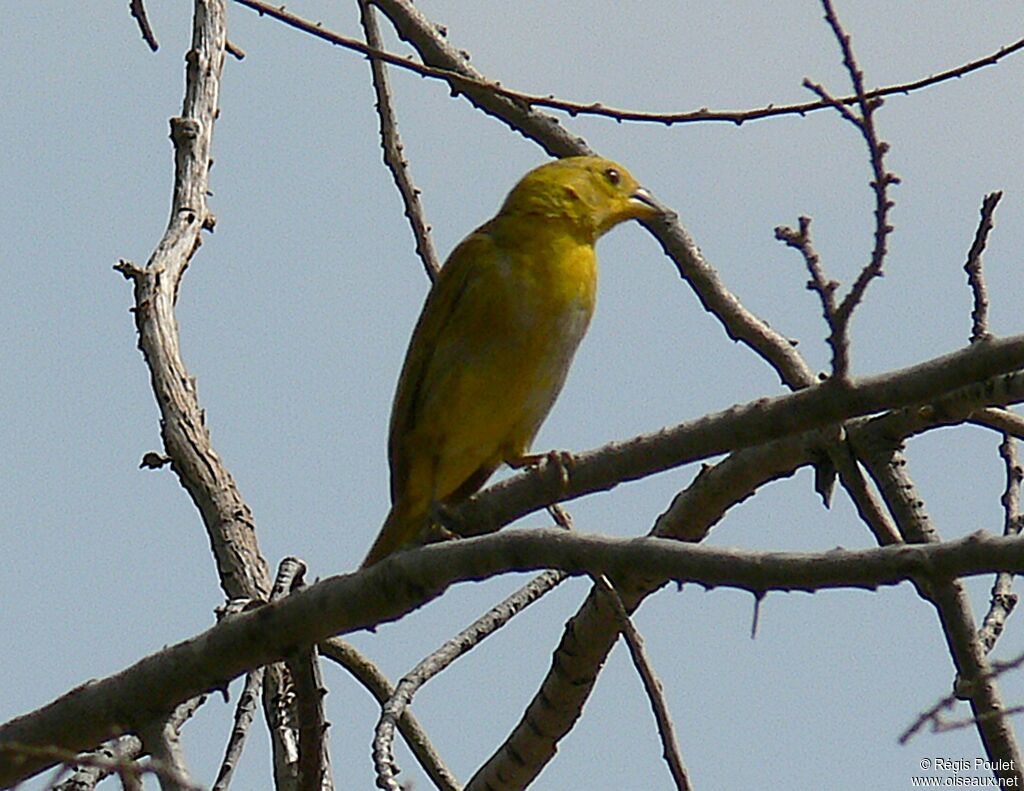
[[562, 460], [443, 525]]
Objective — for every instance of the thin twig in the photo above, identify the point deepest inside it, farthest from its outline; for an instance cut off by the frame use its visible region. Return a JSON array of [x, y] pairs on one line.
[[376, 683], [573, 109], [800, 240], [934, 714], [652, 685], [470, 637], [245, 712], [839, 317], [975, 274], [882, 178], [1003, 600], [391, 143], [138, 9]]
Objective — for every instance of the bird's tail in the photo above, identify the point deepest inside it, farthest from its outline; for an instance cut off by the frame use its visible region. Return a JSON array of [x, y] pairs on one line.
[[399, 529]]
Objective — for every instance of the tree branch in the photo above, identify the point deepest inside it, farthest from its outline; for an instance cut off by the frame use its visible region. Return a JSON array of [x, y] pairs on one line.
[[973, 268], [963, 375], [228, 519], [397, 704], [369, 675], [100, 709], [1003, 600], [652, 686], [391, 143], [738, 117], [949, 596]]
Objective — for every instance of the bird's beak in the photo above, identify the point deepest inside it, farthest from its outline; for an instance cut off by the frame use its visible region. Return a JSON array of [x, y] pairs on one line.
[[644, 203]]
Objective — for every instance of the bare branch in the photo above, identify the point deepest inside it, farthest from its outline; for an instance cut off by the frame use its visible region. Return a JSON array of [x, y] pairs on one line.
[[934, 714], [138, 9], [951, 376], [718, 487], [227, 517], [245, 711], [1003, 600], [655, 691], [869, 508], [391, 143], [800, 239], [465, 641], [973, 268], [888, 467], [409, 579], [839, 318], [302, 705], [703, 115], [1001, 420], [314, 767], [370, 676]]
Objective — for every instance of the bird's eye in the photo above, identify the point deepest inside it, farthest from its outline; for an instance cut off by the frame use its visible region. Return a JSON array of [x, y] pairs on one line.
[[613, 176]]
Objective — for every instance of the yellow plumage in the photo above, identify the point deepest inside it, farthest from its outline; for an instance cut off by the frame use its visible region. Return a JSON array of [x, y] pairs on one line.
[[496, 337]]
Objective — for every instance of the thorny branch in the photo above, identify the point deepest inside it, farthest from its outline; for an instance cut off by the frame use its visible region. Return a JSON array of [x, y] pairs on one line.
[[838, 317], [1003, 600], [862, 98], [370, 676], [408, 580], [652, 685], [973, 268], [573, 109], [401, 698], [391, 143]]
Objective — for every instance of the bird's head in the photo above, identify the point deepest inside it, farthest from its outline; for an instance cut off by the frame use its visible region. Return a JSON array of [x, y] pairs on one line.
[[592, 193]]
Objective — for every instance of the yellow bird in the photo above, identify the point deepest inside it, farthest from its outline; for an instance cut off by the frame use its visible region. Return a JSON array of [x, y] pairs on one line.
[[497, 334]]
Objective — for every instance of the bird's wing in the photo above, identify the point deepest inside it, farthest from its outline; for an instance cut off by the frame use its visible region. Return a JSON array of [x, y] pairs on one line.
[[428, 358]]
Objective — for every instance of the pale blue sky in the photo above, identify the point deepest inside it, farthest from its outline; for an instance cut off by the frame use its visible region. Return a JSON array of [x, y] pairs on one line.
[[296, 311]]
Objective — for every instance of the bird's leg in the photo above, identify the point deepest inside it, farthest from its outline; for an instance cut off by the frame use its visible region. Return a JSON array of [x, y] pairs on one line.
[[562, 460], [442, 526]]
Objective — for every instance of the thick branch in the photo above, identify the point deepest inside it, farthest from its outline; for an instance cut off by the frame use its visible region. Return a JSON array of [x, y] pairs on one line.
[[964, 374], [101, 709], [228, 519]]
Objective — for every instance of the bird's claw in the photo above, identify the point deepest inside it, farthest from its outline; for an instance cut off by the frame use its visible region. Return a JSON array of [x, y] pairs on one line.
[[562, 460]]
